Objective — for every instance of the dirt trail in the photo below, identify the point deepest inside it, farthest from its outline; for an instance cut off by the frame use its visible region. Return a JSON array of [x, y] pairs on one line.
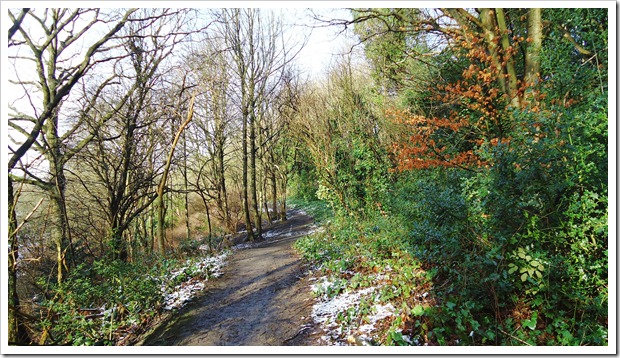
[[262, 298]]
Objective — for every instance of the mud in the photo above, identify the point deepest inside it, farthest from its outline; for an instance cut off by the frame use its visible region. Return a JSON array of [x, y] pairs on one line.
[[262, 299]]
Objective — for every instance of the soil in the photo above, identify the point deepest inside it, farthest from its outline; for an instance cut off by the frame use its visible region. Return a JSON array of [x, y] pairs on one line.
[[262, 299]]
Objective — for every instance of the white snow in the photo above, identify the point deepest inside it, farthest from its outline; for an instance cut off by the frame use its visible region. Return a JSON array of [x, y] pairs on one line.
[[181, 295], [321, 286], [383, 311], [245, 245], [288, 231], [314, 229], [270, 234], [327, 309], [184, 292]]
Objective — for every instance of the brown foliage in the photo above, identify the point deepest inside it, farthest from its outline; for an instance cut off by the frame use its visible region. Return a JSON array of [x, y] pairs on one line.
[[479, 104]]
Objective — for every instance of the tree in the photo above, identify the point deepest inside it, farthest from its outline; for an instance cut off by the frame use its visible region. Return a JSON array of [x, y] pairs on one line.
[[513, 88], [56, 76], [162, 182], [500, 78], [213, 125], [260, 60], [343, 130], [122, 146], [278, 154]]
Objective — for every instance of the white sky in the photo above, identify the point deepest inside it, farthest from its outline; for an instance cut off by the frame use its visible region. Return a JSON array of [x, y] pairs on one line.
[[324, 44]]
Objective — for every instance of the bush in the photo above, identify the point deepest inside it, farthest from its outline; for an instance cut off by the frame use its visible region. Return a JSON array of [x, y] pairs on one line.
[[98, 304], [96, 300], [499, 250], [320, 210]]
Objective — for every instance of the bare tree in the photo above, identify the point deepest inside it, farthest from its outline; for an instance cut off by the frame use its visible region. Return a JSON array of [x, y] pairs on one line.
[[212, 125], [121, 148], [54, 59], [260, 55], [78, 98], [285, 108], [162, 182]]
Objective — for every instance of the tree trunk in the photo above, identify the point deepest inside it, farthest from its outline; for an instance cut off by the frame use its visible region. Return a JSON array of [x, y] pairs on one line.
[[187, 225], [221, 178], [283, 184], [60, 226], [160, 188], [274, 194], [118, 243], [244, 179], [206, 204], [161, 239], [488, 27], [16, 330], [227, 216], [511, 74], [255, 204], [265, 198], [532, 52]]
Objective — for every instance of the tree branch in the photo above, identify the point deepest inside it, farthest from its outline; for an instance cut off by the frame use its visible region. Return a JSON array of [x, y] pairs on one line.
[[571, 39], [17, 22]]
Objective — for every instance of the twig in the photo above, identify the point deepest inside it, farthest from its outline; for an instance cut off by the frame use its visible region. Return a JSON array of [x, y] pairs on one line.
[[513, 337], [27, 218], [298, 333]]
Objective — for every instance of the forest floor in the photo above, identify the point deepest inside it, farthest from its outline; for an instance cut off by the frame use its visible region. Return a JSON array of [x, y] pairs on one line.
[[263, 298]]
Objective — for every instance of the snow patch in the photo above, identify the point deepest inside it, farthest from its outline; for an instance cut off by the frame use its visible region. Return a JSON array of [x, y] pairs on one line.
[[184, 292], [326, 311], [314, 229], [382, 312], [245, 245], [181, 295]]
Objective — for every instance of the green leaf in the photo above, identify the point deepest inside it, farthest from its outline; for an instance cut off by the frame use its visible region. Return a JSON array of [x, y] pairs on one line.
[[512, 269], [524, 277], [418, 310], [406, 291], [531, 323], [490, 335]]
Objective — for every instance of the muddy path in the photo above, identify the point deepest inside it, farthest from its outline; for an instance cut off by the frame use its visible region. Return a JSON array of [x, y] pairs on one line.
[[263, 298]]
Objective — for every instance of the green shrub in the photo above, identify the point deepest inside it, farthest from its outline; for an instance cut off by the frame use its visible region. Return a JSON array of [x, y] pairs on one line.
[[98, 299]]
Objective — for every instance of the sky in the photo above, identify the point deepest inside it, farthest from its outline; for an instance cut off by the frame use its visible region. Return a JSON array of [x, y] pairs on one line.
[[325, 42], [322, 47]]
